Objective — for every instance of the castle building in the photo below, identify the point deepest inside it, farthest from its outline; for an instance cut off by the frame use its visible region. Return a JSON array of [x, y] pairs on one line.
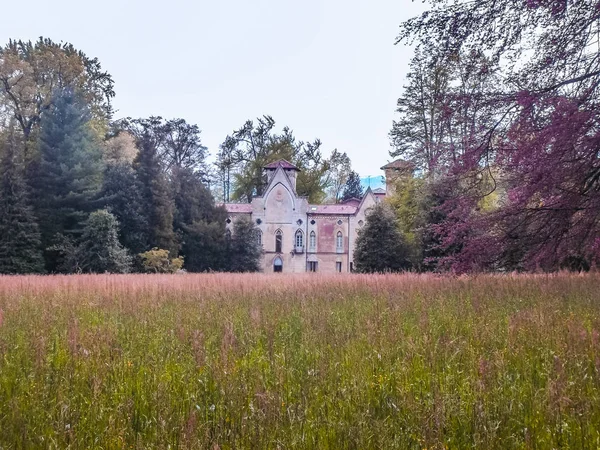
[[297, 236]]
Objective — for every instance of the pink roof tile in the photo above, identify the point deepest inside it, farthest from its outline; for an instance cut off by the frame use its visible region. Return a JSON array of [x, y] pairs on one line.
[[240, 208], [283, 164], [332, 209]]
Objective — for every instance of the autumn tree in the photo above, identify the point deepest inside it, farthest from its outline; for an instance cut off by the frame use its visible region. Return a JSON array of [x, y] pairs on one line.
[[32, 72], [541, 147]]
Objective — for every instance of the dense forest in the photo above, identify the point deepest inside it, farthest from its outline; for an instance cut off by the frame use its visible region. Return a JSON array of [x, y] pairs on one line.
[[500, 115], [83, 191]]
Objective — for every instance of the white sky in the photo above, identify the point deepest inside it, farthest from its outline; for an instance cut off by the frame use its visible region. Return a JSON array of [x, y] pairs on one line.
[[326, 68]]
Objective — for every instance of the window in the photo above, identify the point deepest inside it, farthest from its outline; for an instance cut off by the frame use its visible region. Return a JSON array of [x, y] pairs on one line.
[[351, 267], [313, 241], [339, 242], [312, 266], [278, 240], [338, 266], [299, 239], [278, 265]]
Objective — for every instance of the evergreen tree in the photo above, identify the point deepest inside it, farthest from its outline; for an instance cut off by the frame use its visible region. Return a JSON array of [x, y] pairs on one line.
[[204, 246], [100, 248], [245, 250], [380, 246], [19, 233], [193, 200], [199, 224], [352, 188], [156, 198], [69, 172], [122, 194]]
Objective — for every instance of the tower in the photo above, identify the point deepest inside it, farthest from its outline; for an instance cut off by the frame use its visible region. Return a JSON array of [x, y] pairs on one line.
[[290, 169], [396, 170]]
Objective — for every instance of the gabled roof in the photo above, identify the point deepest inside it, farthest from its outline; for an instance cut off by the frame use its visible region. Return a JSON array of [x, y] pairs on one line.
[[400, 164], [237, 208], [283, 164]]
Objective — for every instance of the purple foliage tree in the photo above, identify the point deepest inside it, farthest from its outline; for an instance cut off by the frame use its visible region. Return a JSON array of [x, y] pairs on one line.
[[540, 153]]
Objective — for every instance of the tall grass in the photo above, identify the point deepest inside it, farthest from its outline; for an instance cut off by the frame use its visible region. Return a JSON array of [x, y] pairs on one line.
[[257, 361]]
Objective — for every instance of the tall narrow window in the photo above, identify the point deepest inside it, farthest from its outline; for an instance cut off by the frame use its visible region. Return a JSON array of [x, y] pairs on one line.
[[340, 242], [278, 265], [313, 241], [338, 266], [299, 239], [278, 241]]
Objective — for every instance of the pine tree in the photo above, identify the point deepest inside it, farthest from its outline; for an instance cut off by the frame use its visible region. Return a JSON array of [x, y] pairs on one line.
[[245, 250], [100, 248], [157, 202], [20, 245], [380, 246], [199, 224], [121, 194], [69, 172], [352, 188]]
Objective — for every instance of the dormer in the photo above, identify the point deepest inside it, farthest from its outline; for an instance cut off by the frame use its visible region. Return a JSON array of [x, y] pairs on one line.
[[290, 170]]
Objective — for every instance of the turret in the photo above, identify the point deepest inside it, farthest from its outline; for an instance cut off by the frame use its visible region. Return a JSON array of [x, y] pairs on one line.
[[290, 169], [396, 170]]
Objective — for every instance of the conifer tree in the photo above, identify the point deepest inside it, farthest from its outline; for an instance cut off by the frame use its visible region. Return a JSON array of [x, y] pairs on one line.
[[69, 172], [245, 248], [121, 194], [19, 233], [380, 246], [100, 248], [352, 188], [199, 224], [156, 198]]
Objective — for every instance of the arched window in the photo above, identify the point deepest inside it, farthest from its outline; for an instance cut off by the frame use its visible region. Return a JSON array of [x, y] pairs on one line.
[[277, 265], [313, 240], [278, 241], [299, 239], [339, 242]]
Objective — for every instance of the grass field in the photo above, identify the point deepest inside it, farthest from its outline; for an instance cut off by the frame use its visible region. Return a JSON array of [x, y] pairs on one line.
[[257, 361]]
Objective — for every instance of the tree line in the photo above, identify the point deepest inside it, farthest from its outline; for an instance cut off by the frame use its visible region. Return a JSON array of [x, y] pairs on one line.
[[81, 191], [500, 116]]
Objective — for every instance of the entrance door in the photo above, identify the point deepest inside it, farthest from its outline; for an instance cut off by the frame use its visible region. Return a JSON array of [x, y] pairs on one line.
[[278, 265]]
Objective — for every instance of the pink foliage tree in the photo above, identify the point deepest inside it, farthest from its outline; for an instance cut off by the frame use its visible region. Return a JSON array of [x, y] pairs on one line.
[[537, 148]]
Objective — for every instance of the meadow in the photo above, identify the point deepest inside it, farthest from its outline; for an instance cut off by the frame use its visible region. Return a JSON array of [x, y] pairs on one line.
[[330, 362]]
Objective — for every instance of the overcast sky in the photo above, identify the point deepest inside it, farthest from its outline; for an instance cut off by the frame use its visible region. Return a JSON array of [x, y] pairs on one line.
[[328, 69]]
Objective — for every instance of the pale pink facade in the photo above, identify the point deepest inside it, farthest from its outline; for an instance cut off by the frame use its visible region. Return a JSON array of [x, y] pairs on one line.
[[297, 236]]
